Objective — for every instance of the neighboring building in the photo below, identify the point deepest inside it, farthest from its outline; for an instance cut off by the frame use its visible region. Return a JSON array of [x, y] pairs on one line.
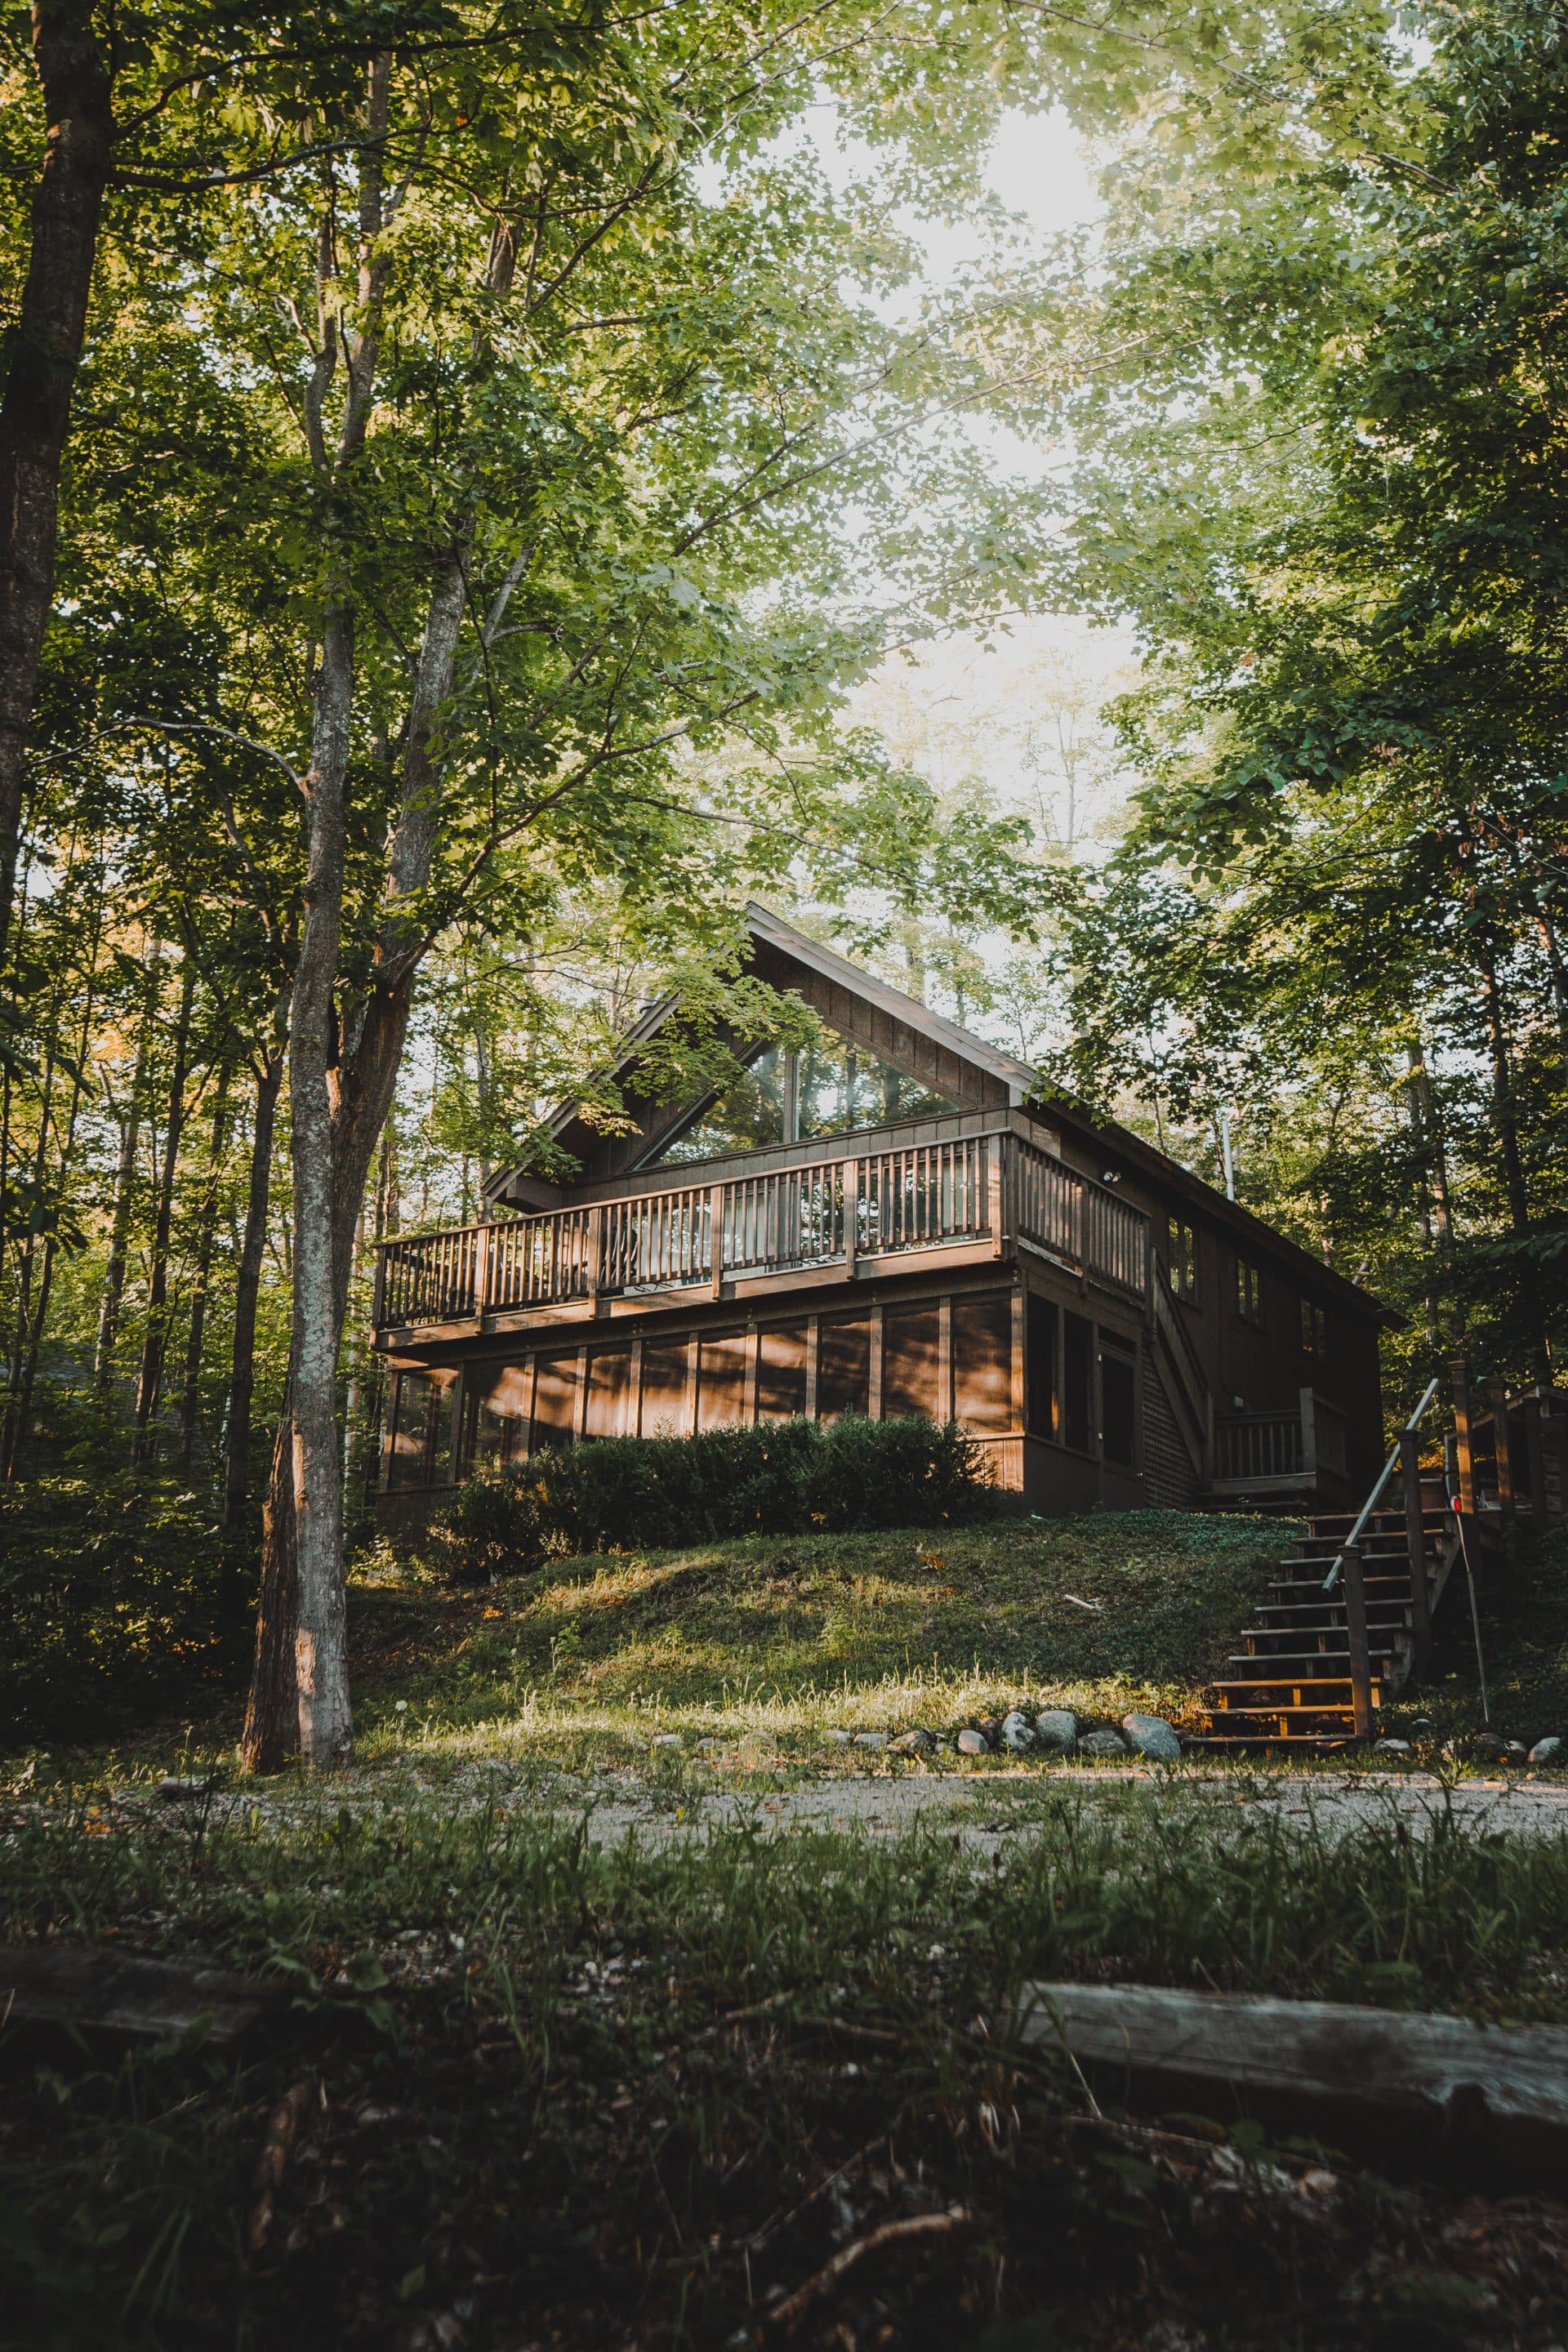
[[882, 1224]]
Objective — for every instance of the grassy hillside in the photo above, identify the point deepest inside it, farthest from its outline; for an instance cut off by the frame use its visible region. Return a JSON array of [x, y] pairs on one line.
[[768, 1643]]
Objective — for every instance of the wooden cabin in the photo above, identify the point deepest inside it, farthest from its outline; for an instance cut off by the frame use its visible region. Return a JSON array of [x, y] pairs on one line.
[[884, 1223]]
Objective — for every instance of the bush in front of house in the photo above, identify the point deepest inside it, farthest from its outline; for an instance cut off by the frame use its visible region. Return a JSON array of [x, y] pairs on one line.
[[781, 1477]]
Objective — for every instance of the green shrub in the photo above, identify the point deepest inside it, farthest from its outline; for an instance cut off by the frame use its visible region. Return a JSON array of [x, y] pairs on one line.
[[113, 1597], [781, 1477]]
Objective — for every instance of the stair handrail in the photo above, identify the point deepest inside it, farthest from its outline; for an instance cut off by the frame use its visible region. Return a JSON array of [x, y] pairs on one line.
[[1384, 1476]]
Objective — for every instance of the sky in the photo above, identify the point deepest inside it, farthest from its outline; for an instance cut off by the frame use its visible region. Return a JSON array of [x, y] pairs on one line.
[[1017, 709]]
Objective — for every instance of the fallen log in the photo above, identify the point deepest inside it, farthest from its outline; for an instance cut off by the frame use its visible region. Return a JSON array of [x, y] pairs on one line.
[[1430, 2095], [123, 1997]]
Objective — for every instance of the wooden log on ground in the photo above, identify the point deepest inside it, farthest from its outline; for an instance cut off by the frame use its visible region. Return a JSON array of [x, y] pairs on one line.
[[1418, 2093], [107, 1995]]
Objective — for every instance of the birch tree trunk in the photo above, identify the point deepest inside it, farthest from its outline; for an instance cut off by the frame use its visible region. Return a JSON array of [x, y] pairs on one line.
[[45, 350]]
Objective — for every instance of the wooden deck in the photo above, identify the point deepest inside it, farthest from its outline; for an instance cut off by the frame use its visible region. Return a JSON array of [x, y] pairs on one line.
[[778, 1221]]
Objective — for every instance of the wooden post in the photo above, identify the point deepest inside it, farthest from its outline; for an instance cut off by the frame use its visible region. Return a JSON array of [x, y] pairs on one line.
[[813, 1333], [992, 1145], [1535, 1445], [1464, 1458], [875, 1371], [1360, 1653], [1017, 1396], [1496, 1397], [634, 1392], [851, 1216], [1308, 1435], [378, 1301], [595, 1255], [1416, 1544], [754, 1355], [716, 1240], [944, 1355]]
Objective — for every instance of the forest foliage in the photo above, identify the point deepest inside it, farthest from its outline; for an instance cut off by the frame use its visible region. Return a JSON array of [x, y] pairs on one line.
[[537, 427]]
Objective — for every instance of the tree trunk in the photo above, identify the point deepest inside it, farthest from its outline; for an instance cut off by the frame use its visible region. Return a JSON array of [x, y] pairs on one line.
[[154, 1342], [189, 1391], [45, 342], [247, 1290], [1504, 1110], [120, 1221]]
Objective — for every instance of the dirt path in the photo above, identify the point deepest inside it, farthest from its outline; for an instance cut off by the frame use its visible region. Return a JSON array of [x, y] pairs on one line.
[[980, 1806]]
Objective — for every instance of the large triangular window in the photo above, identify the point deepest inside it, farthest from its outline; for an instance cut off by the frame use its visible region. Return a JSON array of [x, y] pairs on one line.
[[832, 1088]]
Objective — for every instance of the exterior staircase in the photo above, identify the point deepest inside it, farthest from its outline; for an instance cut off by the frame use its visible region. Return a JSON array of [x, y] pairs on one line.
[[1289, 1682]]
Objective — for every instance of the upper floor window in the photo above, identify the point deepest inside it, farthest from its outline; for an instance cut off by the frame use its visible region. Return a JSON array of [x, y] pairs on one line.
[[741, 1117], [1183, 1266], [1314, 1328], [832, 1088], [1248, 1291]]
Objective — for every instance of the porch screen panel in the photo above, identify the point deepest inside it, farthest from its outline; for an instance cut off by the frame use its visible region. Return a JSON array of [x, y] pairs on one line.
[[664, 1407], [722, 1383], [983, 1359], [503, 1409], [556, 1400], [1117, 1405], [1040, 1343], [410, 1433], [781, 1375], [1078, 1382], [843, 1369], [912, 1362], [609, 1390]]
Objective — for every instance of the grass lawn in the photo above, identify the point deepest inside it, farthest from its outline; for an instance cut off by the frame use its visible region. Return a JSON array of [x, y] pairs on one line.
[[549, 2090], [768, 1643]]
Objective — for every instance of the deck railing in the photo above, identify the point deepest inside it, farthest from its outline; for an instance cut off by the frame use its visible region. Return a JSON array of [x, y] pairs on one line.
[[1307, 1437], [837, 1209]]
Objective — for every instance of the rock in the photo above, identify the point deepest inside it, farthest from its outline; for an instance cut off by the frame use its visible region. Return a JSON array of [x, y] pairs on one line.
[[972, 1742], [1056, 1728], [836, 1739], [187, 1784], [667, 1739], [991, 1725], [870, 1739], [1391, 1747], [911, 1743], [1016, 1732], [1547, 1751], [1102, 1743], [1514, 1750], [1151, 1734]]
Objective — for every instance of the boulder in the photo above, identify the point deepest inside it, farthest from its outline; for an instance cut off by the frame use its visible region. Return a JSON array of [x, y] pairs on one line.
[[972, 1742], [911, 1743], [1017, 1732], [870, 1739], [1391, 1747], [667, 1739], [1151, 1736], [1056, 1728], [836, 1739], [1514, 1750], [1102, 1743], [1547, 1751]]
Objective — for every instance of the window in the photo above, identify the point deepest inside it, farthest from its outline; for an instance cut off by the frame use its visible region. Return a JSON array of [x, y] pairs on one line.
[[1077, 1382], [843, 1369], [739, 1118], [831, 1088], [781, 1373], [1040, 1367], [1314, 1328], [1184, 1263], [911, 1362], [1118, 1400], [1248, 1291], [422, 1431], [983, 1359]]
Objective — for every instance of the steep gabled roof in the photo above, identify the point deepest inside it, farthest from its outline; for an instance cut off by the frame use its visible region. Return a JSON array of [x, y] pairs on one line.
[[770, 932]]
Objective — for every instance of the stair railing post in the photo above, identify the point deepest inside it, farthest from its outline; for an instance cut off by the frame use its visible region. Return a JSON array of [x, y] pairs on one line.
[[1360, 1651], [1310, 1435], [1416, 1544], [1464, 1455]]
